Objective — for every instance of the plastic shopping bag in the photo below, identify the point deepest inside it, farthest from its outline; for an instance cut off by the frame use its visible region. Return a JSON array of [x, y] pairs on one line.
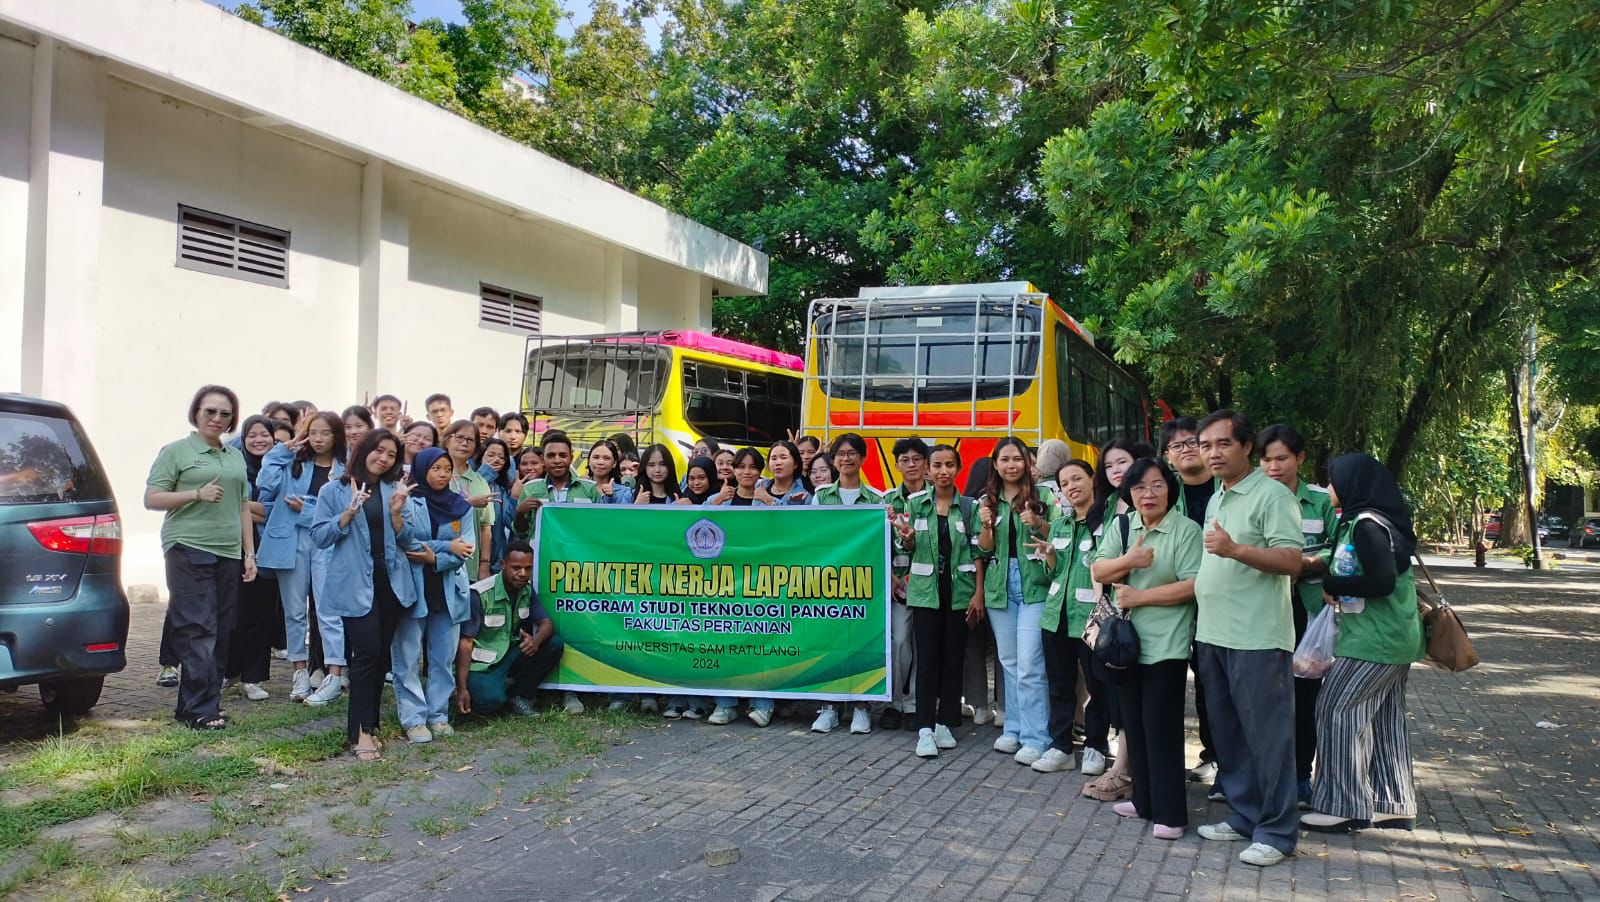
[[1315, 654]]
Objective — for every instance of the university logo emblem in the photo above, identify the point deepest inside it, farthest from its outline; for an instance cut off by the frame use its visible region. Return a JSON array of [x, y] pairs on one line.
[[705, 539]]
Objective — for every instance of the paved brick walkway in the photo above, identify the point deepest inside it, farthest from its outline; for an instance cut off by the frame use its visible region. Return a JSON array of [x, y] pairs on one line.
[[1509, 810]]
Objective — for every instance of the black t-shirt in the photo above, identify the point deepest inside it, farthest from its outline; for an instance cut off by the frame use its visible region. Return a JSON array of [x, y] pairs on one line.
[[373, 511], [741, 502], [652, 498], [319, 478], [1195, 499]]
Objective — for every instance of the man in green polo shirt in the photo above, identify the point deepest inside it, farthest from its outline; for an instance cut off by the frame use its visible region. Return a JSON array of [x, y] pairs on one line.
[[1180, 442], [508, 642], [1244, 641]]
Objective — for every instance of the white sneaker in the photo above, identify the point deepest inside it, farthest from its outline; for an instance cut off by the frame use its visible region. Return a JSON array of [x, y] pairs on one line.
[[1000, 718], [419, 734], [942, 737], [1261, 855], [571, 704], [647, 705], [926, 747], [1053, 761], [861, 720], [1221, 832], [722, 715], [344, 680], [281, 654], [327, 692], [983, 715], [968, 711], [253, 692], [1007, 744], [827, 719], [316, 679], [301, 686], [760, 716], [1026, 755], [1093, 764], [1204, 772]]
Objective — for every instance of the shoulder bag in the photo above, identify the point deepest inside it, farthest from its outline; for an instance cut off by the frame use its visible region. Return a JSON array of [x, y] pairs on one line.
[[1448, 645]]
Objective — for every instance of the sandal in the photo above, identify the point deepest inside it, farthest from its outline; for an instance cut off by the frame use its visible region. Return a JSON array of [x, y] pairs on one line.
[[366, 752], [206, 722], [1110, 788]]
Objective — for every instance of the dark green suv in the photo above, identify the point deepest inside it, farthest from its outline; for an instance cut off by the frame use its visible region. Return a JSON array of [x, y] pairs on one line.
[[63, 614]]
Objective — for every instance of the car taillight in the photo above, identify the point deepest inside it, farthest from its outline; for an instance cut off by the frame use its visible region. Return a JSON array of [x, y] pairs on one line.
[[80, 535]]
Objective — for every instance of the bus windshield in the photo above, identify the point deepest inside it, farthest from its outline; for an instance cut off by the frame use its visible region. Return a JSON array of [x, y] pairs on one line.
[[953, 351], [596, 378]]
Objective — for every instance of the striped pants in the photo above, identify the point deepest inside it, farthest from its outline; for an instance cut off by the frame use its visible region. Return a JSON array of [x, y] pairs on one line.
[[1363, 752]]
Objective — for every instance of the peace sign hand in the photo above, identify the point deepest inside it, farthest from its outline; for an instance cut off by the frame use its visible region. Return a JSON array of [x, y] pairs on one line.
[[358, 496], [402, 494]]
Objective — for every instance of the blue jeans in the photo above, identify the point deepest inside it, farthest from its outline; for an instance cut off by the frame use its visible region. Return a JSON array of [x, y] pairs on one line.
[[414, 704], [756, 704], [293, 587], [1019, 644]]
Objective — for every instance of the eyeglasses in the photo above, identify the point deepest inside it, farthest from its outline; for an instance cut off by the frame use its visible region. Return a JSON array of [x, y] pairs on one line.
[[212, 413], [845, 454], [1142, 489], [462, 438], [1188, 444]]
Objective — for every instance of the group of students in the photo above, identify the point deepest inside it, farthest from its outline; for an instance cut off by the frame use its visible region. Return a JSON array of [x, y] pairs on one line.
[[399, 546]]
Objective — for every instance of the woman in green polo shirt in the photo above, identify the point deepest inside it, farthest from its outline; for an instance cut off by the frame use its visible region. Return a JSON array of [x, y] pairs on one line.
[[1068, 552], [208, 539], [1363, 751], [1153, 578]]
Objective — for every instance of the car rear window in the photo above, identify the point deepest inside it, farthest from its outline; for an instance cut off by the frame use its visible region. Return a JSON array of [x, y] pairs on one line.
[[45, 460]]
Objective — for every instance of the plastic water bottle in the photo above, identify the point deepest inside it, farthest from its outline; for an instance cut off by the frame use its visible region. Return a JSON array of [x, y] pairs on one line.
[[1344, 564]]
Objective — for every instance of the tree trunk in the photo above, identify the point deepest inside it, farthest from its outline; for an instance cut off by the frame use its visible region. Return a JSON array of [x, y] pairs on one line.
[[1511, 525]]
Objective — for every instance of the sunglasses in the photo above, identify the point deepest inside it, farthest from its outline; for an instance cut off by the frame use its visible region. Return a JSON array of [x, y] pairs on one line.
[[212, 413]]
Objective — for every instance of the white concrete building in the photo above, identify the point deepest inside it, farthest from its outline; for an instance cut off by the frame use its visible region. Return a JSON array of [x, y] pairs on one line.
[[188, 198]]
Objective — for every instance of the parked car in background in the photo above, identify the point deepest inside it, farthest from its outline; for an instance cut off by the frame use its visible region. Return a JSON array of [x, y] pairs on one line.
[[1552, 527], [63, 614], [1584, 533], [1491, 527]]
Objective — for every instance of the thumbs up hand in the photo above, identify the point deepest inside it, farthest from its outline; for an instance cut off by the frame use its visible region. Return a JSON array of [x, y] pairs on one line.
[[1139, 556], [211, 491], [1219, 543]]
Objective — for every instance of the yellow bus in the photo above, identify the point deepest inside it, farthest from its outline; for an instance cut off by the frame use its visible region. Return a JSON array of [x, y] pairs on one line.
[[965, 365], [672, 387]]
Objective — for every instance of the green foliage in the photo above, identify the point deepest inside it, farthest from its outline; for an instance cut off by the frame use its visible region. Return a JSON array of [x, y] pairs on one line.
[[1341, 215]]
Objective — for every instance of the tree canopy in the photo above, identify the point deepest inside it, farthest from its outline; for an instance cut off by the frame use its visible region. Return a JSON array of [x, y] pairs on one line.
[[1344, 214]]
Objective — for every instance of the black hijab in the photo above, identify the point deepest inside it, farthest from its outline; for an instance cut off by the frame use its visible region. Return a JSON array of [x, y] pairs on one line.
[[252, 462], [714, 485], [1364, 484]]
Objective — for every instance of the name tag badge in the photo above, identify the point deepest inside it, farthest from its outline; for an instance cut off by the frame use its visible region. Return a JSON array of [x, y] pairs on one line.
[[921, 525], [1060, 542], [1086, 544], [1311, 527], [959, 526], [901, 560], [921, 568], [1055, 587], [1086, 596], [522, 613], [494, 620], [483, 655], [967, 568]]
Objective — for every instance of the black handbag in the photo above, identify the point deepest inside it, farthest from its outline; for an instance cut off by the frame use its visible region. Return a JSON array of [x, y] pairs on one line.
[[1117, 646]]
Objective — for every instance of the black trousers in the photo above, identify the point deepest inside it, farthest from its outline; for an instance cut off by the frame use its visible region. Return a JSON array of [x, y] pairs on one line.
[[1152, 701], [1305, 706], [203, 593], [939, 641], [1064, 654], [366, 649], [314, 660], [167, 657], [249, 646], [1208, 751]]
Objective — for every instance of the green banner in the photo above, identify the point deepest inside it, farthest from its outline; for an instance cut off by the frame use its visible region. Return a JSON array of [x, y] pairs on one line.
[[782, 602]]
